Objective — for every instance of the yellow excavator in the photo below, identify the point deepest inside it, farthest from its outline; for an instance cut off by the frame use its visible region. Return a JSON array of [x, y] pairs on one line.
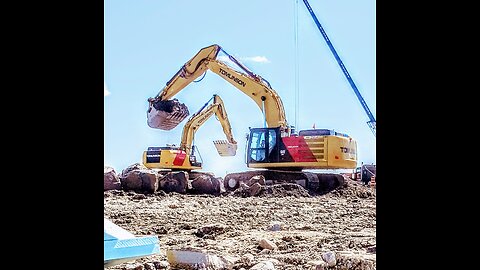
[[183, 157], [278, 152]]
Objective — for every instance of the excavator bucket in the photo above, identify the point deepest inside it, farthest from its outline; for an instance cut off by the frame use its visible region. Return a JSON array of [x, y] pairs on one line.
[[166, 114], [225, 148]]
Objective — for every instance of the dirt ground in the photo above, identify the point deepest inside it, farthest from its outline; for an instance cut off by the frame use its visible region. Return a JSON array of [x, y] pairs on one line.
[[303, 227]]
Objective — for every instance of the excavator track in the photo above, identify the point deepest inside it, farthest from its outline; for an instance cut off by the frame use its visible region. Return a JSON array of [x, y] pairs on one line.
[[317, 183]]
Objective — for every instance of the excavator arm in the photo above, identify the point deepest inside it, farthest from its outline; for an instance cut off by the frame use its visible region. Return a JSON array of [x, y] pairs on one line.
[[183, 157], [187, 73], [224, 148], [246, 81]]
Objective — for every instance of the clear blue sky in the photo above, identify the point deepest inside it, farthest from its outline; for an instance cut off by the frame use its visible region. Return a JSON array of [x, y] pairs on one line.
[[147, 41]]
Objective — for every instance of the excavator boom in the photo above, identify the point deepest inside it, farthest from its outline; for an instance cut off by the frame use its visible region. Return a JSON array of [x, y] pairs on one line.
[[249, 83], [224, 147]]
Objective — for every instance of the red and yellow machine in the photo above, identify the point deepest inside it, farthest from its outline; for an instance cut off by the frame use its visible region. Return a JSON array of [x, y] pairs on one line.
[[277, 149], [183, 157]]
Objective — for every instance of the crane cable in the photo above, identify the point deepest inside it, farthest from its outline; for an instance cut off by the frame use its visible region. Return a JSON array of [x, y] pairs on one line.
[[295, 38]]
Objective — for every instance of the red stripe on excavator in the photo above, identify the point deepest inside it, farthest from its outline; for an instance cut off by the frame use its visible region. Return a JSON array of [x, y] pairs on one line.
[[298, 149], [179, 158]]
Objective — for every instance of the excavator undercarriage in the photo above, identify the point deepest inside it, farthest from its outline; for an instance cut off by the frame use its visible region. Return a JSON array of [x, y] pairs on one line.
[[316, 183]]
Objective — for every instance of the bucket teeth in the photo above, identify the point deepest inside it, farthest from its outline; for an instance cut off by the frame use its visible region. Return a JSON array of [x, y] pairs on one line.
[[166, 117], [166, 121], [225, 148]]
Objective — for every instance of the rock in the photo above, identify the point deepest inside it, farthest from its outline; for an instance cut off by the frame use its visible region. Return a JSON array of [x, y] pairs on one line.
[[284, 190], [274, 261], [196, 259], [211, 229], [174, 182], [206, 184], [219, 181], [265, 251], [160, 230], [353, 189], [348, 260], [247, 259], [111, 181], [149, 266], [160, 192], [243, 191], [193, 174], [372, 249], [135, 266], [275, 226], [161, 264], [139, 197], [202, 184], [267, 244], [231, 260], [255, 189], [318, 265], [329, 258], [264, 265], [140, 181], [133, 167], [244, 186], [260, 179]]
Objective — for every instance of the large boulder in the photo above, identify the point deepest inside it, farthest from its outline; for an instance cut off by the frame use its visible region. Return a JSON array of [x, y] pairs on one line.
[[260, 179], [110, 179], [191, 258], [255, 189], [133, 167], [207, 184], [140, 179], [174, 182], [267, 244]]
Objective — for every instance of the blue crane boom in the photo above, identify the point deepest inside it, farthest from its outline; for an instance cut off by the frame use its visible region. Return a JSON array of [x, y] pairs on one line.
[[372, 123]]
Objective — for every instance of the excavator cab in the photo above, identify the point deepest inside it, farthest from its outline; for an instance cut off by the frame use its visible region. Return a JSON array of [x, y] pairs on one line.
[[310, 149], [262, 145]]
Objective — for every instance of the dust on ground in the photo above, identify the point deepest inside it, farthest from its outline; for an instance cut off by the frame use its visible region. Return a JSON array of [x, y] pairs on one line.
[[342, 221]]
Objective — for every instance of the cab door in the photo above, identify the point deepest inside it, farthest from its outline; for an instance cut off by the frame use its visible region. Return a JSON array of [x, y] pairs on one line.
[[262, 147]]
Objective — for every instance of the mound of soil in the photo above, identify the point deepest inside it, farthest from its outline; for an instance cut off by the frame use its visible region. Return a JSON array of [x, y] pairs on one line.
[[342, 222]]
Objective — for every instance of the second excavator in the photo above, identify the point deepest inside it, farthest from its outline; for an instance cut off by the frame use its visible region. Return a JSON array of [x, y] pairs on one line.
[[183, 158], [277, 151]]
